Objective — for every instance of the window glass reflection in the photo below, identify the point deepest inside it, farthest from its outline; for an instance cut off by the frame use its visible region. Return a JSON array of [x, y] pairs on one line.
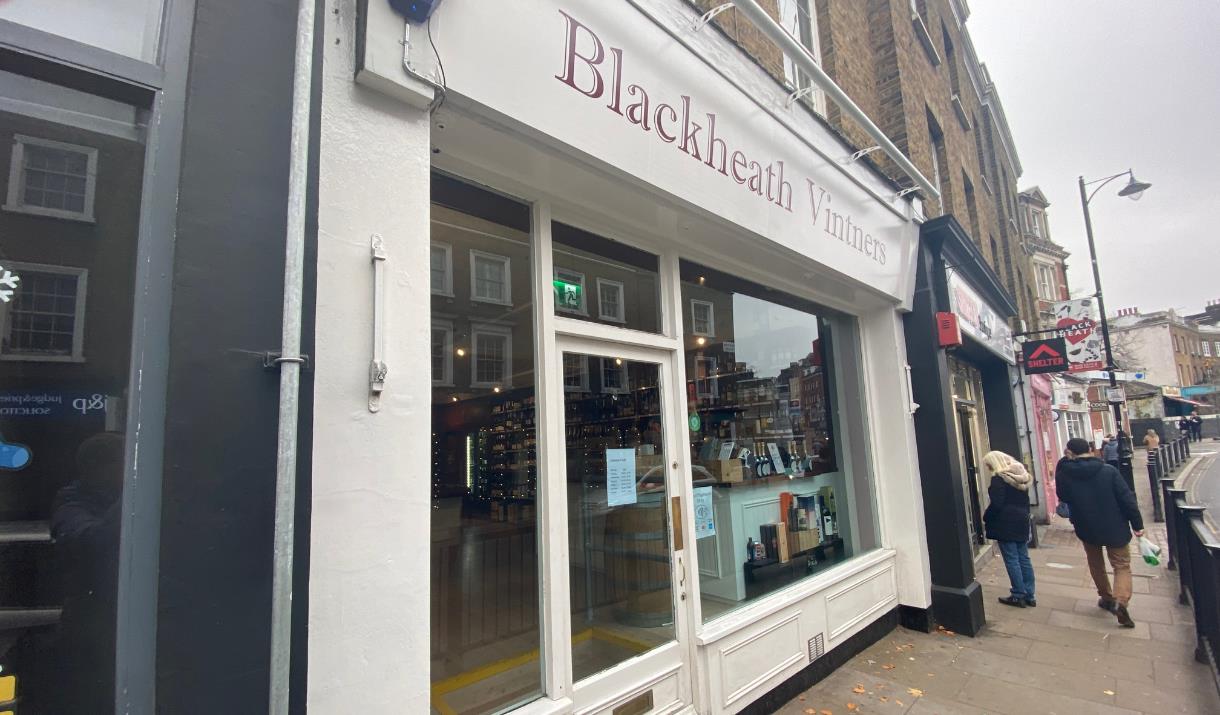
[[773, 500]]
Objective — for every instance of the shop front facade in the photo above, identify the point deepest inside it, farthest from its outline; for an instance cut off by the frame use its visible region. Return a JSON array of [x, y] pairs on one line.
[[963, 369], [660, 456]]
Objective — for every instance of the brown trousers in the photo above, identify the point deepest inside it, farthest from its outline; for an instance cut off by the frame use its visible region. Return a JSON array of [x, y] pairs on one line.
[[1120, 560]]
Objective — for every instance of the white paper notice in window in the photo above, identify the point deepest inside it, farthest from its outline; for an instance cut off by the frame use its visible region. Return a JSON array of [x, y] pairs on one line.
[[705, 518], [620, 477]]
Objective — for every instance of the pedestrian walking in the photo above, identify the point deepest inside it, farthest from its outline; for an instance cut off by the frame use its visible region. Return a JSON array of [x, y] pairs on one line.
[[1007, 522], [1184, 427], [1104, 514], [1152, 440], [1109, 451]]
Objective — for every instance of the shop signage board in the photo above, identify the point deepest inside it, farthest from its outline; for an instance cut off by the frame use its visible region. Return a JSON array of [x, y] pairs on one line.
[[1042, 356], [52, 405], [1076, 322], [607, 81], [979, 320]]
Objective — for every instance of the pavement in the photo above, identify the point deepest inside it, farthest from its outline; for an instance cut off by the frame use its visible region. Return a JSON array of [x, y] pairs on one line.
[[1066, 656]]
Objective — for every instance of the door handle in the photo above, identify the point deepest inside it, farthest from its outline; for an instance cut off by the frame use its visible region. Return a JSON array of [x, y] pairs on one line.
[[675, 510]]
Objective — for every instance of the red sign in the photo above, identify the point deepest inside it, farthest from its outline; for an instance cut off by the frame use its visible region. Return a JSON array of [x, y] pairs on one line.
[[948, 332]]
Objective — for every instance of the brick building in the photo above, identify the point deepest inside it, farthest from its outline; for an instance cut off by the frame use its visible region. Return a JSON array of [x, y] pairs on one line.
[[1170, 349], [912, 67], [1047, 258]]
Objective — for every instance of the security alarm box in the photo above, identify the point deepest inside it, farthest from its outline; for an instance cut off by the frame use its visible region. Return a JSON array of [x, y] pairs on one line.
[[948, 332]]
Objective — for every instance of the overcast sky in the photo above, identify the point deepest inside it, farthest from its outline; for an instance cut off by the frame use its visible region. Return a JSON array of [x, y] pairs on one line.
[[1095, 87]]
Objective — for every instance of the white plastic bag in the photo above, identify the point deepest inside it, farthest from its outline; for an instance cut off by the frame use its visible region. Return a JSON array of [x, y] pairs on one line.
[[1150, 551]]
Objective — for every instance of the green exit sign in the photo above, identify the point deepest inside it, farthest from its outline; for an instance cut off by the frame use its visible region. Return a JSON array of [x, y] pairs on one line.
[[567, 295]]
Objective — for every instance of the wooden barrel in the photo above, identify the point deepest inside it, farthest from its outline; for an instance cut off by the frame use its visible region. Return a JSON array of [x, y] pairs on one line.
[[638, 562]]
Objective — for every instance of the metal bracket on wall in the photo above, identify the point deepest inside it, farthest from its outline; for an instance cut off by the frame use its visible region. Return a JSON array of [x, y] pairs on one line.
[[273, 360], [378, 367], [710, 15], [863, 152]]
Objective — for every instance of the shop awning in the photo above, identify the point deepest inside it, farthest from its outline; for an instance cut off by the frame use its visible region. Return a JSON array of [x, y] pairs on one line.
[[1185, 401]]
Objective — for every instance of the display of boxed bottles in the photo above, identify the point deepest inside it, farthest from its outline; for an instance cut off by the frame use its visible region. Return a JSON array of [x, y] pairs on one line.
[[806, 522]]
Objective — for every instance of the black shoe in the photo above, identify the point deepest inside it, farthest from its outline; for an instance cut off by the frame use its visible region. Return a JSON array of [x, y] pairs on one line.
[[1106, 604], [1013, 601], [1124, 618], [1031, 603]]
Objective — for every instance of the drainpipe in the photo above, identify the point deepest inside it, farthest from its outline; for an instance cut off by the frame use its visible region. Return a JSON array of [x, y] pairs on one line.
[[801, 55], [289, 362]]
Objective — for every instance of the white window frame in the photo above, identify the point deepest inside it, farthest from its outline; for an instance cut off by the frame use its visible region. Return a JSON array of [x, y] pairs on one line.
[[78, 322], [446, 289], [584, 374], [607, 363], [567, 275], [477, 329], [1080, 423], [794, 77], [474, 280], [446, 378], [15, 200], [711, 318], [1207, 348], [622, 307], [1047, 287], [1035, 217]]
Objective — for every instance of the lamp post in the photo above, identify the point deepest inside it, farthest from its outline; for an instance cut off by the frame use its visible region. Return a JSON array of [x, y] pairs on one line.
[[1133, 190]]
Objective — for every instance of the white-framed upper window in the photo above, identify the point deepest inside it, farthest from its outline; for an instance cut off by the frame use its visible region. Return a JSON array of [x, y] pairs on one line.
[[441, 261], [1035, 222], [570, 291], [798, 19], [50, 178], [705, 377], [575, 372], [46, 319], [702, 318], [442, 353], [610, 301], [491, 355], [1207, 349], [1047, 289], [614, 375], [1075, 425], [1218, 348], [490, 278]]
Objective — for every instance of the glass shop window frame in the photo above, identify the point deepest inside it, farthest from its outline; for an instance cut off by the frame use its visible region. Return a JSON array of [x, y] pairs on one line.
[[853, 453]]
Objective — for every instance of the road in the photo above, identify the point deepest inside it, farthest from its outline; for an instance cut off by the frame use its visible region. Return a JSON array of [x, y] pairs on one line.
[[1205, 485]]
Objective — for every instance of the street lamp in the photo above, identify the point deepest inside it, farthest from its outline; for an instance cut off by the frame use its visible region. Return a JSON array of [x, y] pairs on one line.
[[1133, 190]]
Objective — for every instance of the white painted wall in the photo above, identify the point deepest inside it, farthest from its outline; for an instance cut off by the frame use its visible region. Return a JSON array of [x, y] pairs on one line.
[[1150, 347], [894, 455], [369, 561]]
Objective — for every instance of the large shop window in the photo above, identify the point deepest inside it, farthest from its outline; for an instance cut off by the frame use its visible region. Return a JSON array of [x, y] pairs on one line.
[[67, 277], [780, 492], [485, 618]]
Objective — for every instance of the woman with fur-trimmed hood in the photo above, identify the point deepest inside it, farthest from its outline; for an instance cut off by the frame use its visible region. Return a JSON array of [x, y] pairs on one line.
[[1007, 521]]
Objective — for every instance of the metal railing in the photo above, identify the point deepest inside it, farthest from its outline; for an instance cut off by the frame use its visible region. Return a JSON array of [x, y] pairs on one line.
[[1194, 552], [1162, 462]]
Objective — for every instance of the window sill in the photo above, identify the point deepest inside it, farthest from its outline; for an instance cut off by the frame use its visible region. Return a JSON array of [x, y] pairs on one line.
[[42, 358], [442, 294], [960, 111], [489, 301], [612, 319], [50, 213], [925, 39]]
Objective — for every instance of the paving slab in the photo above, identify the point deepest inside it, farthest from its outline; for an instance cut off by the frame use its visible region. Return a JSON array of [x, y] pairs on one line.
[[1065, 657]]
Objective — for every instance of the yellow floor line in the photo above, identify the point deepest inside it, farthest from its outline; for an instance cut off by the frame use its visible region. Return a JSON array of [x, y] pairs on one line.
[[470, 677]]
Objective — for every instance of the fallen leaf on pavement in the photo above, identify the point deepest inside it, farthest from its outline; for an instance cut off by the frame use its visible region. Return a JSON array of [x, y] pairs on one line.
[[801, 698], [810, 711], [915, 691], [827, 712], [858, 689], [910, 658], [1108, 692], [888, 666], [884, 699], [899, 703], [852, 706]]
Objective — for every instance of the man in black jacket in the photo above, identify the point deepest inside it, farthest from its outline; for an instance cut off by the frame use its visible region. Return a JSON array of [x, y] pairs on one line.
[[1104, 514]]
